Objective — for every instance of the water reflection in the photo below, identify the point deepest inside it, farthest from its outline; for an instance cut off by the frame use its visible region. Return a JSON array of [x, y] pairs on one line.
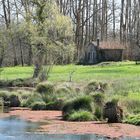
[[14, 128], [34, 136]]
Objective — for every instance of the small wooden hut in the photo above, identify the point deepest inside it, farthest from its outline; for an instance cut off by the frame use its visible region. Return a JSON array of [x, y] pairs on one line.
[[96, 52]]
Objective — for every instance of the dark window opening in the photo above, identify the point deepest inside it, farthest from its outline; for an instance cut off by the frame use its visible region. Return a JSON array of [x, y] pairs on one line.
[[93, 56], [89, 56]]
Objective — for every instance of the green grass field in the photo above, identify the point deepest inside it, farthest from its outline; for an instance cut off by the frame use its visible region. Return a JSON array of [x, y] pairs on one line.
[[125, 75], [112, 71]]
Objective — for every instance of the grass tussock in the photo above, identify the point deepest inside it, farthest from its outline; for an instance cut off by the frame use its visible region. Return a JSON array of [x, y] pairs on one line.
[[81, 115], [131, 103], [79, 103], [133, 119], [45, 87], [33, 98], [95, 87], [38, 105]]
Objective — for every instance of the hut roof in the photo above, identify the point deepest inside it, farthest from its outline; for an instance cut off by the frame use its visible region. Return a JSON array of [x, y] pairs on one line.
[[93, 43], [111, 45]]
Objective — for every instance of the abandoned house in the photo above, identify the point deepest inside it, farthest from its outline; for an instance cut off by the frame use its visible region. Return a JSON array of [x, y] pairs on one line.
[[96, 52]]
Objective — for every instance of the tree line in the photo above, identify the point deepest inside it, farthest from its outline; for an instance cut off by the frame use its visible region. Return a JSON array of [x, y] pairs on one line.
[[56, 31], [103, 19]]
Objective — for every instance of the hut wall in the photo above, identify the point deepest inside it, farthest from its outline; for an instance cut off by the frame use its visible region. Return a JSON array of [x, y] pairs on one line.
[[111, 55], [91, 54]]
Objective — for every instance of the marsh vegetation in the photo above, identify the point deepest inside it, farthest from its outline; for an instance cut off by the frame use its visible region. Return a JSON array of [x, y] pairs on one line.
[[84, 98]]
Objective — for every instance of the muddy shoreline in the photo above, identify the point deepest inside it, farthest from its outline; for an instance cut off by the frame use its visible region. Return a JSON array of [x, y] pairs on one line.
[[52, 123]]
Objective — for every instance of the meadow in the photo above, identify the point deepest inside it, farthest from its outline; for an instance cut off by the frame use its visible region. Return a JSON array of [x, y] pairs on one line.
[[104, 71], [122, 79], [124, 75]]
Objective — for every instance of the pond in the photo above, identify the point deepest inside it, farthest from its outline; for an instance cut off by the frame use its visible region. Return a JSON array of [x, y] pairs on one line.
[[13, 128]]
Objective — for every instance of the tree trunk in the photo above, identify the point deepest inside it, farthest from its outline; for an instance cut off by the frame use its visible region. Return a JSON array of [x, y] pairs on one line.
[[114, 23], [121, 21], [30, 56], [21, 53], [39, 59], [2, 56]]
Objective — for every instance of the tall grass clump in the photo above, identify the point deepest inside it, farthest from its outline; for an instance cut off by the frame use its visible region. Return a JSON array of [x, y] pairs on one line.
[[62, 90], [96, 86], [33, 98], [45, 87], [131, 103], [24, 96], [98, 99], [79, 103], [38, 105], [65, 93], [55, 104], [4, 95], [133, 119], [55, 101], [81, 115], [11, 97], [91, 87]]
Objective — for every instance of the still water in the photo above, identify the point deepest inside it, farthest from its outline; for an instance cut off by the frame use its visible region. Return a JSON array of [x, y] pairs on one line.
[[13, 128]]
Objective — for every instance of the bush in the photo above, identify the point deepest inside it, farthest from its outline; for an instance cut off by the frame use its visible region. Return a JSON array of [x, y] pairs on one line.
[[91, 87], [64, 93], [98, 113], [136, 111], [133, 119], [24, 103], [132, 105], [104, 86], [33, 98], [95, 86], [80, 115], [38, 105], [24, 95], [115, 101], [14, 101], [5, 83], [10, 97], [45, 87], [18, 83], [98, 98], [113, 112], [79, 103], [30, 82], [63, 90], [77, 90], [4, 95], [55, 105]]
